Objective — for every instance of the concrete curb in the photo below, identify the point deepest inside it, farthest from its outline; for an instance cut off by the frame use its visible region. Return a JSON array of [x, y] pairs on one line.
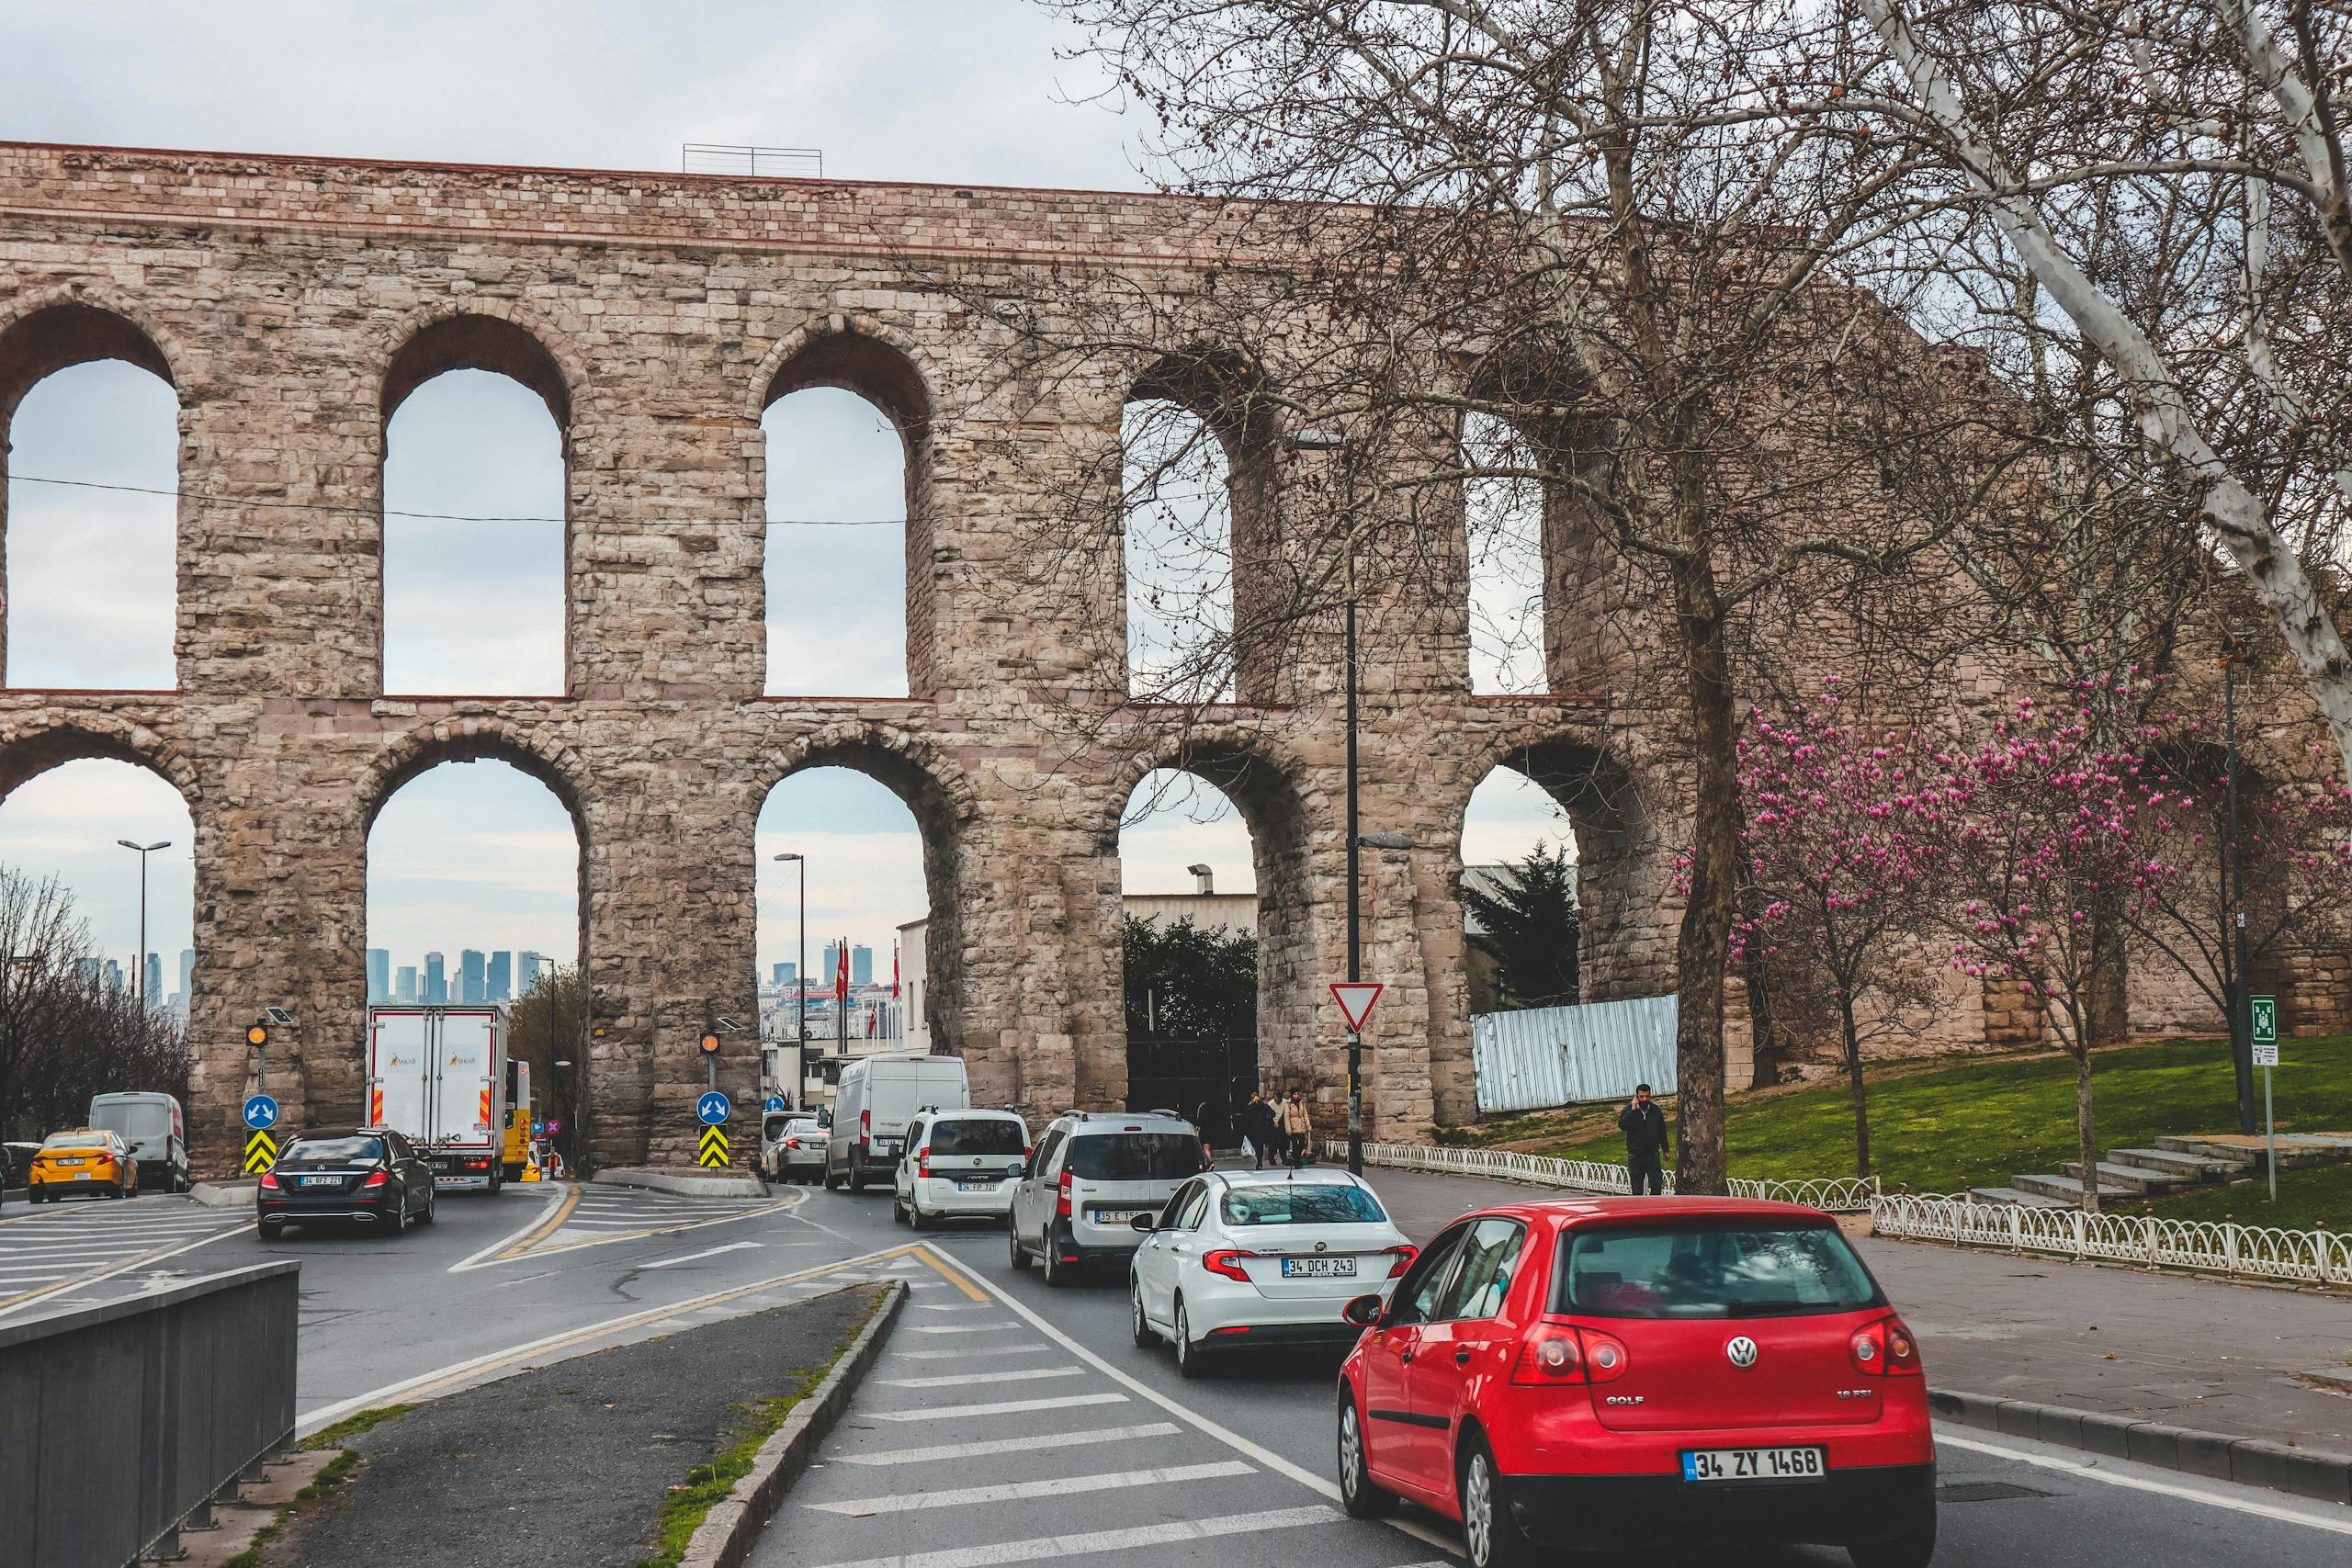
[[732, 1184], [725, 1536], [2250, 1462], [223, 1194]]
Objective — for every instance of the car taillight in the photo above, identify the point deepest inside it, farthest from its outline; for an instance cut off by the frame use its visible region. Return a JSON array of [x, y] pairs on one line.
[[1902, 1351], [1226, 1260], [375, 1180], [1604, 1355], [269, 1181], [1549, 1355], [922, 1160], [1404, 1257], [792, 1143], [1061, 1198], [1868, 1349], [865, 1125]]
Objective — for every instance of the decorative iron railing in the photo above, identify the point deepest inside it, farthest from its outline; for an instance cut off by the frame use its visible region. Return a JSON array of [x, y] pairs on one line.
[[1837, 1195], [2211, 1246]]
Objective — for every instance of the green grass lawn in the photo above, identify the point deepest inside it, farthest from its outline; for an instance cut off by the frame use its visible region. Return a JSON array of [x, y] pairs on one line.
[[1976, 1122]]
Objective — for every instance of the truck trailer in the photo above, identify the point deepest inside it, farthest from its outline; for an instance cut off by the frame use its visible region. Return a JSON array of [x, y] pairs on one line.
[[439, 1074]]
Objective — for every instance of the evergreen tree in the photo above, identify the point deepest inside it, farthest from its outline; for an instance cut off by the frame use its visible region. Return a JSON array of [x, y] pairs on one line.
[[1529, 928]]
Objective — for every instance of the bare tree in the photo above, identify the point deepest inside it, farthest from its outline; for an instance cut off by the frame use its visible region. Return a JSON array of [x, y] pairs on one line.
[[1589, 248]]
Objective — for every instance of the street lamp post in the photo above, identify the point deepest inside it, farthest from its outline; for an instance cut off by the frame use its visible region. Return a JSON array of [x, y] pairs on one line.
[[563, 1131], [800, 991], [2233, 901], [139, 986]]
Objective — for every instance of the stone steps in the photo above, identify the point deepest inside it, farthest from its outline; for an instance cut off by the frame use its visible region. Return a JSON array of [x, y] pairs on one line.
[[2295, 1149], [2208, 1168], [2015, 1198], [2069, 1191], [2136, 1179]]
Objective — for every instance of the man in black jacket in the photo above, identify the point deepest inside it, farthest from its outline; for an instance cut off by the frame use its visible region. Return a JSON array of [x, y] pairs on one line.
[[1646, 1149], [1258, 1127]]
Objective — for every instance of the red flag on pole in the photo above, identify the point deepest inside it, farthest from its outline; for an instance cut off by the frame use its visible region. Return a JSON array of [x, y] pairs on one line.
[[841, 974], [894, 969]]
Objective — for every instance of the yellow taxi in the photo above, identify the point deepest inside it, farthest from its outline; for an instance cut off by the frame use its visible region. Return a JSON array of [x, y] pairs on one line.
[[86, 1160]]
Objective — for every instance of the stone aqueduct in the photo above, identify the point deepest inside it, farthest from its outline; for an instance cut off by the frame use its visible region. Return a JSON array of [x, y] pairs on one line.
[[292, 303]]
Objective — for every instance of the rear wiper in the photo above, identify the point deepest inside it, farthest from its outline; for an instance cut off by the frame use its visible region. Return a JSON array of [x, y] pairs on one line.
[[1737, 1308]]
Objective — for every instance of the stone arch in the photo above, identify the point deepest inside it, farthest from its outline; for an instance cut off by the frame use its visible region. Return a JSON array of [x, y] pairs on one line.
[[859, 354], [483, 334], [551, 761], [55, 328], [29, 749], [945, 803], [1264, 777]]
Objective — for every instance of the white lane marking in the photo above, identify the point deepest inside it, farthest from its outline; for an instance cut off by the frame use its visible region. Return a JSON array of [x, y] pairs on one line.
[[696, 1257], [236, 1229], [961, 1328], [2145, 1484], [954, 1307], [1049, 1546], [1021, 1349], [310, 1422], [1320, 1486], [1003, 1407], [473, 1260], [909, 1502], [510, 1284], [1011, 1445], [957, 1380]]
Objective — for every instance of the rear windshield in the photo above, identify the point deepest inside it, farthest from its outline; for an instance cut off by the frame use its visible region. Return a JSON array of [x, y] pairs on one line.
[[133, 1118], [774, 1127], [1712, 1270], [1300, 1205], [354, 1148], [1135, 1156], [75, 1141], [802, 1127], [987, 1137]]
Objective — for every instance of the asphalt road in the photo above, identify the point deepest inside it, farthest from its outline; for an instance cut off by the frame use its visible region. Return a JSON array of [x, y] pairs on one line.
[[1241, 1462]]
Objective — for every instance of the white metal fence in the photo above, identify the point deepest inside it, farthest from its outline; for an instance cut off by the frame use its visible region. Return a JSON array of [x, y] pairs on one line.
[[2215, 1247], [1843, 1194], [1543, 1056]]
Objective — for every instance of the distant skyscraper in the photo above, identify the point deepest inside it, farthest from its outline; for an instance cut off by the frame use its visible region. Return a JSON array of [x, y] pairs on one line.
[[527, 970], [188, 975], [499, 984], [404, 989], [469, 966], [831, 965], [113, 974], [786, 974], [861, 967], [154, 992], [436, 983], [89, 969], [379, 975]]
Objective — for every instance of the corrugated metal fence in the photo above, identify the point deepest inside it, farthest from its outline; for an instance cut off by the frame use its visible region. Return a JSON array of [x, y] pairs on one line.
[[1559, 1056]]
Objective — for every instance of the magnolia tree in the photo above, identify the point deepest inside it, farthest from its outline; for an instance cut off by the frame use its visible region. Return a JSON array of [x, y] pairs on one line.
[[1838, 865]]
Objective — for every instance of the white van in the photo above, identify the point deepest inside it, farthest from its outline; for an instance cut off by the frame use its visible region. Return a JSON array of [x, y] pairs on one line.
[[151, 1124], [877, 1096]]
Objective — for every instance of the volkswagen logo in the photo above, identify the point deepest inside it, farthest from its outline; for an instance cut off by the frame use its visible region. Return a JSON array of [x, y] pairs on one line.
[[1742, 1351]]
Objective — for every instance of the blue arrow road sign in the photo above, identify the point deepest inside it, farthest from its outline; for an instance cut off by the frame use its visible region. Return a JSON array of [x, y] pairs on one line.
[[775, 1102], [712, 1107], [261, 1112]]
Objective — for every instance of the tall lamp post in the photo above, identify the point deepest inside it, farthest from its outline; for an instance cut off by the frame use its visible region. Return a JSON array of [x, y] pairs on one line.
[[2234, 899], [800, 991], [138, 986]]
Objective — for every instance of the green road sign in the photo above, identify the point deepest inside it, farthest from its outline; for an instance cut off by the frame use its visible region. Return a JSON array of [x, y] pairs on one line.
[[2266, 1018]]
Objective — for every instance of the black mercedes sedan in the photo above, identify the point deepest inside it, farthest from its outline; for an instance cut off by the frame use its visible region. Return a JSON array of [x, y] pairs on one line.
[[371, 1176]]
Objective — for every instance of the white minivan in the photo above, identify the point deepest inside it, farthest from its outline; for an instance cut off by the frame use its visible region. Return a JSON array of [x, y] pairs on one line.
[[877, 1097]]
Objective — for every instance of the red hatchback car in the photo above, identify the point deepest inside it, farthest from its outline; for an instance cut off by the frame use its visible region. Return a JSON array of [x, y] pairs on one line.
[[1614, 1372]]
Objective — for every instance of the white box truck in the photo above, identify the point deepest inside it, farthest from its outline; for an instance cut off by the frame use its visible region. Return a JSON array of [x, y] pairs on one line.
[[439, 1074], [877, 1095]]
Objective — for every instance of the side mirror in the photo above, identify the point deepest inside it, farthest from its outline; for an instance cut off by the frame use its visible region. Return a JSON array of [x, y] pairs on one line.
[[1362, 1311], [1145, 1223]]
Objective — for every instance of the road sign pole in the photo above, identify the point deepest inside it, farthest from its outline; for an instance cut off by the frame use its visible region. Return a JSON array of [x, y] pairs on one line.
[[1355, 1102], [2270, 1135]]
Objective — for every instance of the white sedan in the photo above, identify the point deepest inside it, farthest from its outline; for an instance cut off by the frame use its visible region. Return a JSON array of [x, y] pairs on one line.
[[1268, 1258]]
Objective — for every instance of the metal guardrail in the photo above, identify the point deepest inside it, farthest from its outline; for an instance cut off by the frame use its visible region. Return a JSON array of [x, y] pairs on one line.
[[124, 1418], [1545, 1056], [1837, 1194], [2206, 1246]]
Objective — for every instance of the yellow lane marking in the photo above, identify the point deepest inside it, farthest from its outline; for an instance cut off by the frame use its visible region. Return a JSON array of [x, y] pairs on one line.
[[446, 1379], [547, 1227], [953, 1277]]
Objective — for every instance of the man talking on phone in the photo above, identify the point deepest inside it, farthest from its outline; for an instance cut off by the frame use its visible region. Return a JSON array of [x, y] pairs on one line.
[[1646, 1149]]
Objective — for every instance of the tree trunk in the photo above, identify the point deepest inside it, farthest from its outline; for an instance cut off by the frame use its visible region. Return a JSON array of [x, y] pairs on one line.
[[1764, 1064], [1703, 945], [2107, 1014], [2084, 1138], [1861, 1095]]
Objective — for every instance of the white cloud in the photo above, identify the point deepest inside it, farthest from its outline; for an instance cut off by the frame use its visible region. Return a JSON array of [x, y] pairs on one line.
[[64, 823], [1509, 816]]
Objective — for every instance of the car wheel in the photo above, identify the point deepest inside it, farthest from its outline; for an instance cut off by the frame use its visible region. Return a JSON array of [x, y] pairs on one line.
[[271, 1229], [856, 1174], [1057, 1274], [831, 1185], [427, 1218], [1362, 1499], [916, 1217], [1490, 1537], [1142, 1330], [1190, 1360], [1910, 1547], [1012, 1239], [398, 1225]]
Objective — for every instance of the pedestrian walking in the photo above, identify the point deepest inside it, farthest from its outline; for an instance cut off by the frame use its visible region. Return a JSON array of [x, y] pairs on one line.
[[1647, 1145], [1297, 1127], [1259, 1128]]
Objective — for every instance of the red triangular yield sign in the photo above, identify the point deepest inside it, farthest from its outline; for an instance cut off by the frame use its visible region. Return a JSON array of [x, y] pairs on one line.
[[1355, 998]]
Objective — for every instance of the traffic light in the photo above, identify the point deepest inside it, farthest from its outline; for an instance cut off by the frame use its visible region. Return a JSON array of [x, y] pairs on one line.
[[710, 1045], [257, 1034]]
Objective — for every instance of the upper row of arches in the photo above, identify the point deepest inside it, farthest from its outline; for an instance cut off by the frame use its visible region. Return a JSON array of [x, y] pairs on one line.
[[477, 417]]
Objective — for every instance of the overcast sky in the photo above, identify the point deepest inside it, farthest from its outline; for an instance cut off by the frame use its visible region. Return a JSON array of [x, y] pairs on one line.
[[483, 856]]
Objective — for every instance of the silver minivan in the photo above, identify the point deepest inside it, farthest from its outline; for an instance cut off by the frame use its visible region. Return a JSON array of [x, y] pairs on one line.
[[1091, 1173], [151, 1124]]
